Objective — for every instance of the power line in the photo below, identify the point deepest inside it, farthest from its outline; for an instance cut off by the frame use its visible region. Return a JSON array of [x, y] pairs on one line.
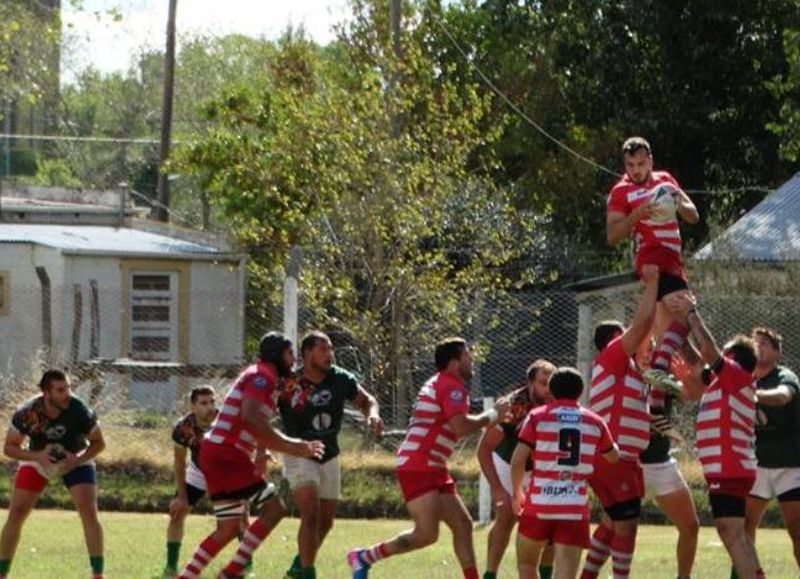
[[549, 136], [65, 138]]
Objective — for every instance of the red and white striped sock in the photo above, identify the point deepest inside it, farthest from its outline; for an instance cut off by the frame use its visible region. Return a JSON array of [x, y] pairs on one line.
[[622, 555], [252, 538], [374, 554], [203, 555], [670, 342], [598, 552]]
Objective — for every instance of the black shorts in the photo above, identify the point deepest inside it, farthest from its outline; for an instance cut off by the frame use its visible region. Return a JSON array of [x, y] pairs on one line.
[[788, 496], [668, 284], [726, 506], [625, 511], [193, 494]]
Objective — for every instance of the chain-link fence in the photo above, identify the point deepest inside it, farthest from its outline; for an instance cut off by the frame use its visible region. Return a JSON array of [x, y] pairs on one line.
[[136, 354]]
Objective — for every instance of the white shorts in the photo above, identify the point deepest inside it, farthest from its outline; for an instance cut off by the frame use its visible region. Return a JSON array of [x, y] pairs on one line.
[[194, 477], [773, 482], [304, 471], [663, 478], [504, 474]]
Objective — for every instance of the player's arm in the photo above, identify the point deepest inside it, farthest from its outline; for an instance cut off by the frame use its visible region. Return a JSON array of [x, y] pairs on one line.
[[97, 444], [464, 424], [13, 449], [781, 395], [368, 405], [645, 314], [620, 225], [254, 416], [612, 454], [179, 453], [692, 377], [686, 208], [491, 438], [522, 453]]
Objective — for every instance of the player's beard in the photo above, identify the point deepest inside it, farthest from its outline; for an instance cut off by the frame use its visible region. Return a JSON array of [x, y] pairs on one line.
[[284, 370]]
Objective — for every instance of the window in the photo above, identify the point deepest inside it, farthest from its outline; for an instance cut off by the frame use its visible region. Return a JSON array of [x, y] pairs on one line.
[[5, 293], [154, 319]]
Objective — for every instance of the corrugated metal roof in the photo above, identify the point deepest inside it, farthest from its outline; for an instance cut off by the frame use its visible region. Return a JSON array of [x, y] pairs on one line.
[[101, 240], [769, 232]]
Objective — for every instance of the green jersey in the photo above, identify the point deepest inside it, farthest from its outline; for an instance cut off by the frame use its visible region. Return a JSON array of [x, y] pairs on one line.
[[315, 411], [67, 431], [778, 427]]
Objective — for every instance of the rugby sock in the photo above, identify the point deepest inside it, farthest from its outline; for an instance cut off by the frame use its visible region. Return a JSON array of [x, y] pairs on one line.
[[295, 564], [252, 538], [173, 554], [97, 564], [760, 574], [733, 574], [670, 343], [471, 573], [598, 552], [622, 555], [374, 554], [5, 565], [307, 573], [489, 575], [204, 554], [545, 572]]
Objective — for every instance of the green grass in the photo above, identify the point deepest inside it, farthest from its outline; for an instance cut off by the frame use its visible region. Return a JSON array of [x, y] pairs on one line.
[[52, 548]]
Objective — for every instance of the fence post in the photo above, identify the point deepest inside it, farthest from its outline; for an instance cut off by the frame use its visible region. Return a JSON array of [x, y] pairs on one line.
[[484, 492], [290, 301]]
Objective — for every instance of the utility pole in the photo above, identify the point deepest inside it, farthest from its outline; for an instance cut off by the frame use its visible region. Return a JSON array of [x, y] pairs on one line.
[[394, 18], [162, 210]]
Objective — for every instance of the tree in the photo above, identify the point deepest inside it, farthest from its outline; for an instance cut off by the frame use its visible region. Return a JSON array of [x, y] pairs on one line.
[[369, 160], [786, 89]]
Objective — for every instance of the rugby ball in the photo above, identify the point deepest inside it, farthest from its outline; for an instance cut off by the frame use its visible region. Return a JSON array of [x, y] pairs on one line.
[[664, 200]]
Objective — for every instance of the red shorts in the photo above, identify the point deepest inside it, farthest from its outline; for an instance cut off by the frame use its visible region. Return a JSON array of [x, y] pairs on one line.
[[667, 261], [572, 533], [228, 470], [735, 487], [619, 482], [29, 478], [415, 483]]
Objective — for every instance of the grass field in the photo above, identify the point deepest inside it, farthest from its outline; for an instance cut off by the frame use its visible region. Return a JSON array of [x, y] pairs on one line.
[[52, 548]]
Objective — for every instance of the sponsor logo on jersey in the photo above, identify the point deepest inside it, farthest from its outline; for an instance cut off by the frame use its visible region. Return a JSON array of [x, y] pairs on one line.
[[259, 382], [571, 417], [55, 432], [456, 395], [553, 490], [321, 398]]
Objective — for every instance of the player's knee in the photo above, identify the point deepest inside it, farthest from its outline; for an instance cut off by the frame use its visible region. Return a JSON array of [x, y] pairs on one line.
[[793, 528], [729, 533], [425, 536], [690, 527]]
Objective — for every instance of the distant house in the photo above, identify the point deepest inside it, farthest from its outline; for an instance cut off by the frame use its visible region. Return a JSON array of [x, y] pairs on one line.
[[149, 306]]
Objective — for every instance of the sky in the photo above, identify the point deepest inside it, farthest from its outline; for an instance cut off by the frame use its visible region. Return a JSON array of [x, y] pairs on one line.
[[110, 45]]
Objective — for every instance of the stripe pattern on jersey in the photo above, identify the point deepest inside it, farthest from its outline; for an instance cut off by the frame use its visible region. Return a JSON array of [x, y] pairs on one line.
[[725, 426], [619, 396], [565, 440], [430, 440], [228, 427]]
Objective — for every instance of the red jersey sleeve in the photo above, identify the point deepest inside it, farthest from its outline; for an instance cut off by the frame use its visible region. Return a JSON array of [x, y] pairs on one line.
[[606, 440], [453, 399], [613, 357], [258, 387], [528, 432], [617, 200]]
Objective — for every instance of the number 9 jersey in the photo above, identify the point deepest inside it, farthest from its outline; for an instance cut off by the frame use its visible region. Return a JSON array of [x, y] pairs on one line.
[[565, 440]]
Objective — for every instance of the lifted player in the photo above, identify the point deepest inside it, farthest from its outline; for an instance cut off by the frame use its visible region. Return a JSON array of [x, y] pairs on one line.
[[628, 212]]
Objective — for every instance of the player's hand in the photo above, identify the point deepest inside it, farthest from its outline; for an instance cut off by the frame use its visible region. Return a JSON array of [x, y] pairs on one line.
[[516, 503], [70, 462], [260, 464], [502, 406], [649, 273], [375, 423], [643, 211], [501, 499], [313, 449], [178, 506]]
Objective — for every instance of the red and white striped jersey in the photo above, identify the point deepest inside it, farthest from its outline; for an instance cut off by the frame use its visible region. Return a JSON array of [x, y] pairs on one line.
[[619, 396], [650, 237], [258, 381], [565, 440], [430, 440], [725, 424]]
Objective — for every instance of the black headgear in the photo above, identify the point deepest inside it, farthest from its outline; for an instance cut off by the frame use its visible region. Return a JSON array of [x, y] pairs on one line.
[[272, 346]]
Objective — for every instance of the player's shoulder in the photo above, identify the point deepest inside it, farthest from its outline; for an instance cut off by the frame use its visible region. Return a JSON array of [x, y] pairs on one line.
[[339, 374], [188, 418], [787, 375], [622, 186], [664, 177], [78, 405], [34, 403], [590, 415]]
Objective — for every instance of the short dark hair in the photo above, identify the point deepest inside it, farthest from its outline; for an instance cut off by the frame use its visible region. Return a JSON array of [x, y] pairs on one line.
[[742, 349], [633, 145], [605, 332], [198, 391], [309, 341], [770, 335], [537, 366], [51, 376], [448, 349], [566, 383]]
